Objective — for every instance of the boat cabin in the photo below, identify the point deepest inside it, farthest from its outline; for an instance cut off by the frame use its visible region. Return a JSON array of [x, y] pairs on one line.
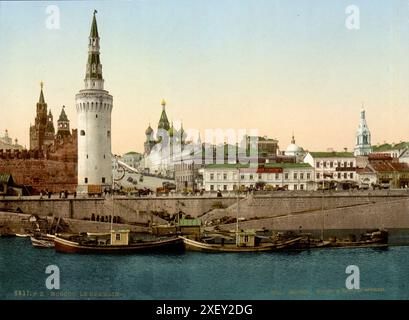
[[246, 238], [119, 237]]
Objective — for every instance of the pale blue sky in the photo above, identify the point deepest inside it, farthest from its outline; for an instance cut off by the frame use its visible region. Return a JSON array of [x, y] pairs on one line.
[[278, 66]]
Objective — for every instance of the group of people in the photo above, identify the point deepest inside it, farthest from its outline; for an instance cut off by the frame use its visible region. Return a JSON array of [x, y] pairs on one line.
[[62, 194]]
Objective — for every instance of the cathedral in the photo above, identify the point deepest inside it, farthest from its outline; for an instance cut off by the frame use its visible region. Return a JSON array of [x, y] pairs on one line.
[[166, 135], [162, 147]]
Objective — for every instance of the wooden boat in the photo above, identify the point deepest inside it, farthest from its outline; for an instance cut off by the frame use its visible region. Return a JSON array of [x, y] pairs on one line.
[[371, 238], [245, 242], [118, 242], [42, 241]]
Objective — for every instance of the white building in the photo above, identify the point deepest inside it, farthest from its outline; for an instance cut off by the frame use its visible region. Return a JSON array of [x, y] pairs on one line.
[[294, 150], [94, 107], [363, 137], [337, 167], [225, 177], [7, 143], [132, 159]]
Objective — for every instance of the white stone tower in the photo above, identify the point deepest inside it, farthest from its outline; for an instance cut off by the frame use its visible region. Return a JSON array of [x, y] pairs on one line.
[[94, 107], [363, 138]]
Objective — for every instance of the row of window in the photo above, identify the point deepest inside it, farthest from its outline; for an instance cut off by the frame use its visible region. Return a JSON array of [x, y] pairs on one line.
[[86, 180], [270, 176], [337, 175], [82, 133], [83, 105], [224, 187], [335, 164]]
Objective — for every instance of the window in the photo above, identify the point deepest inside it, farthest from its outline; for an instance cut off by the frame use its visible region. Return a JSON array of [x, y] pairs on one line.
[[259, 176], [246, 238], [308, 176], [277, 176], [318, 164], [224, 187], [324, 164], [331, 164], [301, 187], [251, 177], [86, 180], [212, 176], [302, 176], [318, 175], [211, 187], [103, 179], [345, 175], [234, 187], [224, 176], [96, 116], [218, 176], [82, 133], [351, 164], [286, 176], [295, 187], [345, 164], [87, 156], [295, 175], [351, 175], [242, 176], [118, 236], [339, 175], [108, 133]]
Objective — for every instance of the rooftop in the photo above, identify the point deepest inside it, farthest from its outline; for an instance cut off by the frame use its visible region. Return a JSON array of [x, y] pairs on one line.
[[332, 154]]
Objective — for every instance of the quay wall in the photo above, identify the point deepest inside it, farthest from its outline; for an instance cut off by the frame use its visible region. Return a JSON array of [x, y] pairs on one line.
[[305, 206]]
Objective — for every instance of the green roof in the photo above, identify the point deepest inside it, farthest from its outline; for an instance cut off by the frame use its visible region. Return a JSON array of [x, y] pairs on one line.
[[5, 177], [332, 154], [225, 166], [131, 152], [266, 165], [63, 116], [94, 28], [189, 222], [388, 147], [287, 165]]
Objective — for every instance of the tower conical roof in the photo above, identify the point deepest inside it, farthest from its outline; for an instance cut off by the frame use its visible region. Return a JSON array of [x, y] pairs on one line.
[[41, 100], [63, 115], [94, 27]]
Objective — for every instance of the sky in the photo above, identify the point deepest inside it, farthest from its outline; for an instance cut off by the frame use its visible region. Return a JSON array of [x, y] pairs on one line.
[[275, 66]]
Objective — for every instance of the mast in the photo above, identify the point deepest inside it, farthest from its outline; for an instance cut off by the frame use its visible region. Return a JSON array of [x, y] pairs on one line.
[[322, 212], [238, 208]]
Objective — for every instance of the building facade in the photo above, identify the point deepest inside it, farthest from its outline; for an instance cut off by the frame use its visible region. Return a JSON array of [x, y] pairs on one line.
[[94, 108], [6, 142], [289, 176], [332, 167]]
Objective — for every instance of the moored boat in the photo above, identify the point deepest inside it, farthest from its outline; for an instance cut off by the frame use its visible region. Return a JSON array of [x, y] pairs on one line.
[[119, 241], [42, 241], [371, 238]]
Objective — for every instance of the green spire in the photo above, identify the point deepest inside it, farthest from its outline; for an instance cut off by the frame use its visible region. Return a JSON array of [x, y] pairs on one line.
[[63, 115], [163, 121], [41, 100], [94, 28]]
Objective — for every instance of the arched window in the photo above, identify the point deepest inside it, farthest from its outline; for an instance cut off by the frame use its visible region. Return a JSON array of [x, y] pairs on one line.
[[82, 133]]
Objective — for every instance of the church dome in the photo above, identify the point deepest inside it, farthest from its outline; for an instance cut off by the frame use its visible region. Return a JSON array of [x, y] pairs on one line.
[[149, 131], [292, 147]]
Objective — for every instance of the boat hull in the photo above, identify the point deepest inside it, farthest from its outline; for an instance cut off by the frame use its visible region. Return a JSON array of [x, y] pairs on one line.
[[166, 245], [42, 243], [192, 245]]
